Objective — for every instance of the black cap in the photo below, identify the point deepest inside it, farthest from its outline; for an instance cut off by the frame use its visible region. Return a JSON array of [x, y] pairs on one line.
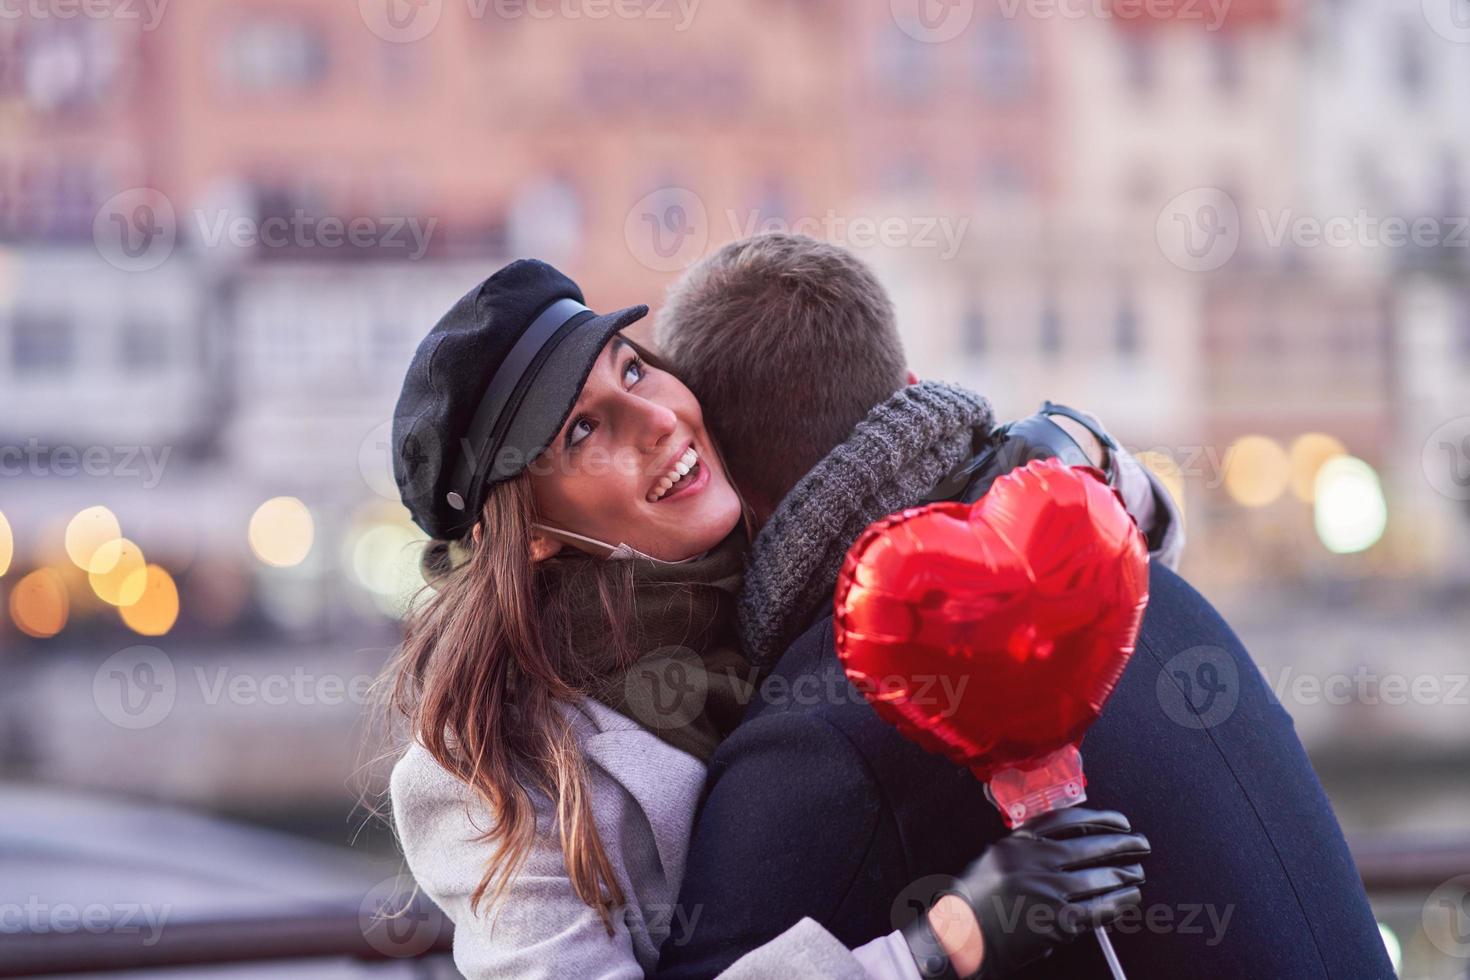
[[489, 388]]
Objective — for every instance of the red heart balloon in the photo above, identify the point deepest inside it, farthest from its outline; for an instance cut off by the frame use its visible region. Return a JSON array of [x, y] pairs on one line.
[[994, 632]]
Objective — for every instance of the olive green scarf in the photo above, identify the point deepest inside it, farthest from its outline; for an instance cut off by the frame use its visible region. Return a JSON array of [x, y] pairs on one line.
[[688, 682]]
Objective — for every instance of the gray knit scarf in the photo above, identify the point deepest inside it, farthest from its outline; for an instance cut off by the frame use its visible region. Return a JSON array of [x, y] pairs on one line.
[[895, 456]]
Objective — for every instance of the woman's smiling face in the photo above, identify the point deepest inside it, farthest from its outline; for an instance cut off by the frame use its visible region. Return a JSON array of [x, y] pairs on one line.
[[634, 464]]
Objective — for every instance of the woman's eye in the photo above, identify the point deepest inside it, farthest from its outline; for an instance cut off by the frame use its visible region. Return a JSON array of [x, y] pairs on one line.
[[633, 372], [579, 430]]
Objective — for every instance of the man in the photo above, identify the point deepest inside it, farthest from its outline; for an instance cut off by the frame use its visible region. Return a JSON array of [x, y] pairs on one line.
[[816, 807]]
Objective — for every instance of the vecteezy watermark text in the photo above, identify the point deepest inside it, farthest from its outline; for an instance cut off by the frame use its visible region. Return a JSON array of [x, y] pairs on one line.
[[301, 230], [407, 21], [35, 458], [150, 12], [137, 688], [1211, 12], [670, 229], [137, 230], [118, 918], [1201, 230]]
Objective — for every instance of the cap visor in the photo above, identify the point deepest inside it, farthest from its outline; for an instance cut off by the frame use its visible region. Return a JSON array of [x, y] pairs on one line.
[[554, 390]]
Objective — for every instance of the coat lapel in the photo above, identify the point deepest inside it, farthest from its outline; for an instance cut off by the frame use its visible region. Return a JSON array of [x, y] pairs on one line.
[[663, 780]]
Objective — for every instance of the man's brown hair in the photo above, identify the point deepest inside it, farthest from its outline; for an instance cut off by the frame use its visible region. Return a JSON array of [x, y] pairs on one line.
[[787, 342]]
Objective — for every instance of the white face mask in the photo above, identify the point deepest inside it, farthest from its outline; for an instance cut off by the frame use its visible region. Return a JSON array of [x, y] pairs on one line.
[[601, 549]]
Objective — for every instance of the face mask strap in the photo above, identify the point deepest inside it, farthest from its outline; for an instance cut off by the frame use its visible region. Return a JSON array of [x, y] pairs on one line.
[[601, 549]]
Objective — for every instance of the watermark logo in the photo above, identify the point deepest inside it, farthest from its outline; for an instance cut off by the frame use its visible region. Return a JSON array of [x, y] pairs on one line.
[[401, 21], [668, 230], [136, 230], [918, 897], [1450, 19], [1446, 917], [1199, 230], [1446, 459], [421, 448], [932, 21], [375, 461], [667, 689], [395, 922], [135, 688], [1199, 688]]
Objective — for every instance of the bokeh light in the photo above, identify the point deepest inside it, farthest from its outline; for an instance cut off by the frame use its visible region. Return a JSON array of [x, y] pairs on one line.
[[123, 573], [7, 544], [38, 604], [157, 609], [1308, 452], [281, 532], [384, 558], [86, 536], [1351, 514], [1256, 471]]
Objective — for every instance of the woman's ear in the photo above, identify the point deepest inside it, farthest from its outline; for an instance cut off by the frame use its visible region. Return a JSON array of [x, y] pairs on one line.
[[543, 546]]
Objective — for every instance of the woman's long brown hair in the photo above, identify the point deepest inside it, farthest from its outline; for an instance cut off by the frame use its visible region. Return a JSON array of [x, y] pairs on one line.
[[485, 661]]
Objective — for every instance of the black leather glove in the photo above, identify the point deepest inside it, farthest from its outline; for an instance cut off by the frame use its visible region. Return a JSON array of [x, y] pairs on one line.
[[1054, 878]]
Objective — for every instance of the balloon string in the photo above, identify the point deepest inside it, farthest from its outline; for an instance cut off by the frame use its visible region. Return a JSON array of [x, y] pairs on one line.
[[1109, 955]]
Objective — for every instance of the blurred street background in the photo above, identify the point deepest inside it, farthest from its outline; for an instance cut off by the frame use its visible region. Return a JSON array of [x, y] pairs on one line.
[[1236, 230]]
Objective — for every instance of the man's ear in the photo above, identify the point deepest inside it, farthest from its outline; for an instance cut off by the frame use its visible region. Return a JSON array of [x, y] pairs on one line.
[[913, 378], [543, 546]]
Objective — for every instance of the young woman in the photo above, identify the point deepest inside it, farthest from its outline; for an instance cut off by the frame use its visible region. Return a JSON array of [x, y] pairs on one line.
[[584, 523]]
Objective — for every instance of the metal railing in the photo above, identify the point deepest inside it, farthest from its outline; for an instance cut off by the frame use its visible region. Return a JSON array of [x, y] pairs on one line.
[[1387, 864]]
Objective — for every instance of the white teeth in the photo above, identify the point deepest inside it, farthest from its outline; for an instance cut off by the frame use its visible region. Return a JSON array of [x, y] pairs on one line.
[[681, 469]]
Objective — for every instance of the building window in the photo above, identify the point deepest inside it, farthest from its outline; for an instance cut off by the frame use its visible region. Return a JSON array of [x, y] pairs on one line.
[[1451, 194], [905, 66], [1225, 56], [68, 66], [1004, 178], [908, 174], [546, 219], [142, 347], [1051, 331], [276, 55], [1410, 64], [43, 344], [973, 341], [1462, 322], [1125, 327], [1140, 65], [1002, 60]]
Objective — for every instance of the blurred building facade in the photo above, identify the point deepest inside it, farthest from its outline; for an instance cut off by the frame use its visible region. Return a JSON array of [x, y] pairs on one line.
[[1034, 165]]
